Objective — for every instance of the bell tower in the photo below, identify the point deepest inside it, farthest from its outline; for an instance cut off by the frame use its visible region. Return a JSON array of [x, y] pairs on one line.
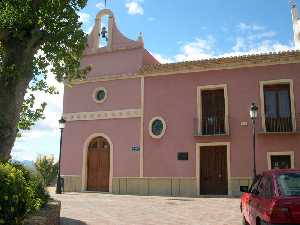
[[109, 52], [296, 24]]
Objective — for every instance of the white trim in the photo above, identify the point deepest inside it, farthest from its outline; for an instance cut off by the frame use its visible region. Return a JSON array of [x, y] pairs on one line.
[[142, 128], [85, 155], [290, 153], [164, 127], [95, 92], [262, 100], [198, 149], [278, 59], [102, 115], [199, 104]]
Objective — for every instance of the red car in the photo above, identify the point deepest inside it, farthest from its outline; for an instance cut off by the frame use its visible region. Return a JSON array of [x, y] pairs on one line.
[[273, 199]]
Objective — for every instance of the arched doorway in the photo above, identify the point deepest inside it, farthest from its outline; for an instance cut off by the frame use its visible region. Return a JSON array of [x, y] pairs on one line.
[[98, 165]]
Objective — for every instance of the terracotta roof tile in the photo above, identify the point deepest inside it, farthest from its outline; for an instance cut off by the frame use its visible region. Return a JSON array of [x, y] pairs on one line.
[[271, 58]]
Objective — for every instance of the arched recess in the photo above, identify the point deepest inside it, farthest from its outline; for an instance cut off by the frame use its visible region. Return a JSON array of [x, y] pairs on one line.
[[85, 159]]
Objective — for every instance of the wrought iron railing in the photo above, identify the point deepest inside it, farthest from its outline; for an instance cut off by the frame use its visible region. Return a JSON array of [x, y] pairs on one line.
[[279, 124], [210, 125]]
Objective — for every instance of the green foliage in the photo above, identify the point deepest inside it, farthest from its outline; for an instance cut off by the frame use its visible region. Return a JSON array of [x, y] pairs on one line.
[[21, 193], [47, 168], [50, 31]]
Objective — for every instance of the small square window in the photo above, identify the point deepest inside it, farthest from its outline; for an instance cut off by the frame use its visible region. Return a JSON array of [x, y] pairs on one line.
[[182, 156], [280, 162]]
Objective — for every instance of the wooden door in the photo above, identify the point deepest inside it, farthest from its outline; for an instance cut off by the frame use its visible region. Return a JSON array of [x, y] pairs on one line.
[[98, 165], [213, 170]]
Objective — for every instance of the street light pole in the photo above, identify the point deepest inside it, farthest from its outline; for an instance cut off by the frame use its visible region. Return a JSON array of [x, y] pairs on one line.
[[61, 127], [253, 116]]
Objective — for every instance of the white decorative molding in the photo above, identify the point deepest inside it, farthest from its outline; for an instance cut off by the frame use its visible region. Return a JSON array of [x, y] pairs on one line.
[[102, 115]]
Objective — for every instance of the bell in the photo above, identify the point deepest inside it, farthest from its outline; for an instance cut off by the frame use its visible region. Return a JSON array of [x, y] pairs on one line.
[[103, 32]]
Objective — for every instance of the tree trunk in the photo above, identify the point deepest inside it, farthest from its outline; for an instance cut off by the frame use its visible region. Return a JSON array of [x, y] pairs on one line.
[[12, 92]]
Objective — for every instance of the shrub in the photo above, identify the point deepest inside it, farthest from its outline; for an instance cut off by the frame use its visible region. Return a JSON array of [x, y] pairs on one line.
[[47, 168], [21, 193]]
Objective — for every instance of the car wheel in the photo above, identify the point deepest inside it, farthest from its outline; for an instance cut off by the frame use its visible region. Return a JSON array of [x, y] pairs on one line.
[[244, 222], [258, 222]]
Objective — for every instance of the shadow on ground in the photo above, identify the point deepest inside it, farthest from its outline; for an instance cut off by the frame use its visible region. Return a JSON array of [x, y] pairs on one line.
[[68, 221]]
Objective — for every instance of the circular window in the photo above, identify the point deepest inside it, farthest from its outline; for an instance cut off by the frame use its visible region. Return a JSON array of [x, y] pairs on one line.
[[157, 127], [100, 95]]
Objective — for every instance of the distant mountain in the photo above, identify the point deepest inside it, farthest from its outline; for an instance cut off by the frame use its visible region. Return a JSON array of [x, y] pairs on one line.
[[27, 163]]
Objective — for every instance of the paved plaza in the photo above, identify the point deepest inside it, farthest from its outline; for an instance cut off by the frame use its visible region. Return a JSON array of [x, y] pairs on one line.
[[108, 209]]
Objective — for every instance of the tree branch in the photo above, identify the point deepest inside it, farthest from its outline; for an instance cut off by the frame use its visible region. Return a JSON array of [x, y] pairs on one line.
[[36, 4]]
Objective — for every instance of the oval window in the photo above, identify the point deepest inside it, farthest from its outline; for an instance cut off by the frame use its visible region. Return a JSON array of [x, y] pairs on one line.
[[157, 127], [100, 95]]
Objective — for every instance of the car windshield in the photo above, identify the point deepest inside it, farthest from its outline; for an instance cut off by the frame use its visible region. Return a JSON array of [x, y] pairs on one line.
[[289, 184]]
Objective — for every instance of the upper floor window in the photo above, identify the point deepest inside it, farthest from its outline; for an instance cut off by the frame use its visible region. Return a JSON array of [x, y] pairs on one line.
[[212, 103], [277, 102], [100, 95], [213, 112], [157, 127]]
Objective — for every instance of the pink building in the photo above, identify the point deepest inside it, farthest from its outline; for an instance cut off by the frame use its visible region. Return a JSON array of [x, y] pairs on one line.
[[135, 126]]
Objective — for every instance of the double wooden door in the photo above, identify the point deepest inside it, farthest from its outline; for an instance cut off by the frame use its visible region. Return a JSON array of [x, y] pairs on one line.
[[213, 170], [98, 165]]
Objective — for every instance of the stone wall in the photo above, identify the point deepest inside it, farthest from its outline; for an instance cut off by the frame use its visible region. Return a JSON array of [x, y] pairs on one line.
[[160, 186], [236, 182], [72, 183], [170, 186], [49, 215]]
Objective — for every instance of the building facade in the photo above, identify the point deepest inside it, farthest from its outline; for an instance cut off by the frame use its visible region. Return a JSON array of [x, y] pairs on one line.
[[135, 126]]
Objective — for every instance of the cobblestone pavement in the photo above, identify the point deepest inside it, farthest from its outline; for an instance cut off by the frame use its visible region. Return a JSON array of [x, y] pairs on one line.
[[108, 209]]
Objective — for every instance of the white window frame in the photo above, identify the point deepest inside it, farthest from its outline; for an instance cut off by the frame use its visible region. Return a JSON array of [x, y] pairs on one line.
[[292, 100], [95, 92], [290, 153], [164, 127]]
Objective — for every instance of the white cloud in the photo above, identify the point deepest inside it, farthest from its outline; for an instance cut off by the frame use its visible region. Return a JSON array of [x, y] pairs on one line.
[[250, 39], [134, 7], [240, 44], [198, 49], [89, 30], [83, 17], [100, 5], [20, 153], [162, 59], [268, 34], [253, 27]]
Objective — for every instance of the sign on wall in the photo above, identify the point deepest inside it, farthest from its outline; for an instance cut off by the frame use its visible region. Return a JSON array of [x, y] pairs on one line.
[[135, 148]]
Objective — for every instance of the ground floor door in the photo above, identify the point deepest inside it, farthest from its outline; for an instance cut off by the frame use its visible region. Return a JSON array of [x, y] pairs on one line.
[[98, 165], [213, 170]]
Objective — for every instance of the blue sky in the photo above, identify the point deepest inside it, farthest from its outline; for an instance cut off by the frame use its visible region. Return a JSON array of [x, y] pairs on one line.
[[174, 31]]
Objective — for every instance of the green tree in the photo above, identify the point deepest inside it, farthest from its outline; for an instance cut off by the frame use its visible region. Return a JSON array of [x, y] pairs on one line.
[[35, 35], [47, 168]]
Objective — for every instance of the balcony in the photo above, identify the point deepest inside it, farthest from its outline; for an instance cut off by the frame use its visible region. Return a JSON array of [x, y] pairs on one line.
[[210, 126], [279, 124]]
